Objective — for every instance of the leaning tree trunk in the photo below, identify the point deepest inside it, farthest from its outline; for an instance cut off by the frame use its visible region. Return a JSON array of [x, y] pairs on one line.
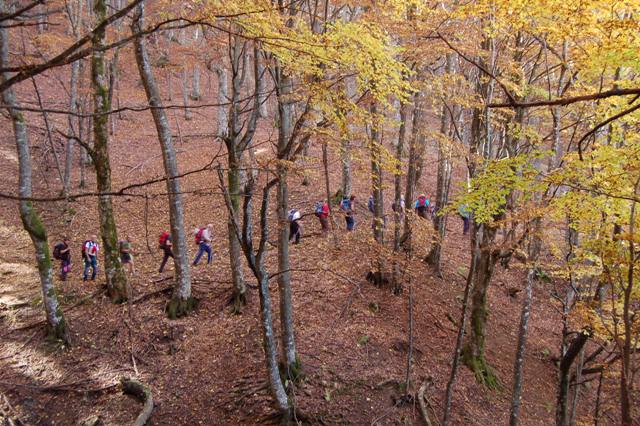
[[182, 301], [565, 367], [116, 279], [30, 219]]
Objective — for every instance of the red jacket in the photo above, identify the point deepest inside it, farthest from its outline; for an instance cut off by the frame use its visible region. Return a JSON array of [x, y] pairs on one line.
[[325, 211]]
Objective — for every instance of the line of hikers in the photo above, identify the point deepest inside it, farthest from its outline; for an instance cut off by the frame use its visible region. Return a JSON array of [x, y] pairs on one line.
[[423, 207], [90, 249], [203, 236]]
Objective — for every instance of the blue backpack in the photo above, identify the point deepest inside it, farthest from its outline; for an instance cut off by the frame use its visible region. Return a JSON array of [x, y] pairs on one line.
[[345, 205]]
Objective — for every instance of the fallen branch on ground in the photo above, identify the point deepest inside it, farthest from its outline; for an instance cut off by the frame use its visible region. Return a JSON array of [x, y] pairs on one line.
[[143, 393]]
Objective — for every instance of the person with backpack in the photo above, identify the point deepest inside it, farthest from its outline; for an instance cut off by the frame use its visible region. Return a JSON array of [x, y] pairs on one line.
[[400, 211], [167, 247], [422, 206], [348, 206], [371, 204], [126, 254], [62, 252], [90, 250], [295, 229], [465, 214], [322, 212], [203, 240]]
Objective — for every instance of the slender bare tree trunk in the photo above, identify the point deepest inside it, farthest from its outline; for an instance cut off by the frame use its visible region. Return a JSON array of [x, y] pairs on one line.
[[182, 301], [345, 147], [31, 221], [185, 94], [74, 122], [397, 200], [518, 368], [116, 279], [376, 177]]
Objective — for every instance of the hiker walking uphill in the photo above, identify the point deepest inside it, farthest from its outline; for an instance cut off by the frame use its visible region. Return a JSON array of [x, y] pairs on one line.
[[126, 254], [295, 229], [463, 212], [62, 252], [90, 250], [422, 206], [166, 246], [322, 212], [203, 240], [348, 206]]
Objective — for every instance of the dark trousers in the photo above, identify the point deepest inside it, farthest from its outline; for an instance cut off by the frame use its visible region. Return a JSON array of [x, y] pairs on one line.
[[294, 232], [351, 222], [168, 253], [465, 225]]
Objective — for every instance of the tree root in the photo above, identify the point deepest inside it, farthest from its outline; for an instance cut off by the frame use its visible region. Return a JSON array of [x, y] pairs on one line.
[[178, 308], [143, 393], [421, 401]]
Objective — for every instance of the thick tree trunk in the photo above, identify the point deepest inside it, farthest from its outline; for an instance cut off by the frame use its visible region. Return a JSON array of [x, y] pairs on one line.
[[223, 99], [182, 301], [397, 199], [285, 129], [474, 351], [565, 367], [116, 279], [31, 221], [237, 275], [416, 146], [345, 145]]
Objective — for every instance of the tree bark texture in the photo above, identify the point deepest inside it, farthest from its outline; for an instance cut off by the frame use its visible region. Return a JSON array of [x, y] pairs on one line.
[[116, 279], [182, 301], [31, 221]]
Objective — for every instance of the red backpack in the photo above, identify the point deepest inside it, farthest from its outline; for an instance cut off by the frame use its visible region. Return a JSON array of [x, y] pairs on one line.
[[84, 249], [199, 235], [163, 239]]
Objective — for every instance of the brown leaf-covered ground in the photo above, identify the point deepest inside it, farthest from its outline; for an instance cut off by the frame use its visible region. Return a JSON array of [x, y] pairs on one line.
[[209, 368]]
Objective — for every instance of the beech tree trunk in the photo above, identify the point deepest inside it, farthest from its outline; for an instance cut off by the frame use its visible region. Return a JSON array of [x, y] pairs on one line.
[[182, 301], [443, 180], [74, 123], [57, 327], [255, 259], [116, 279], [397, 199], [345, 146], [565, 367], [518, 368], [284, 92], [223, 99], [416, 147], [376, 178]]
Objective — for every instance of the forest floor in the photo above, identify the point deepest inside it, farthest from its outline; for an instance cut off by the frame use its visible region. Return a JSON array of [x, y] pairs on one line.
[[209, 368]]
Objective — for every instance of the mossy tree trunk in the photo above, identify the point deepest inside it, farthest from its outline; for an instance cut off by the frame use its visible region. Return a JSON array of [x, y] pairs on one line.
[[474, 351], [182, 301], [116, 279], [57, 327]]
